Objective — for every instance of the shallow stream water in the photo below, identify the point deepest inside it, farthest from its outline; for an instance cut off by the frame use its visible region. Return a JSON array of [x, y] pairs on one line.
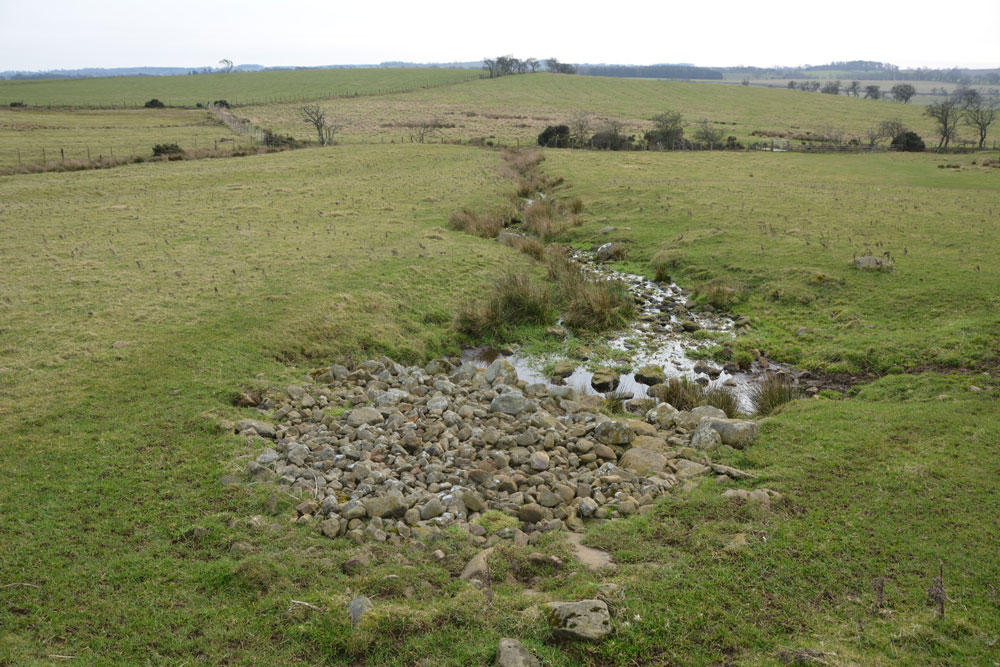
[[656, 337]]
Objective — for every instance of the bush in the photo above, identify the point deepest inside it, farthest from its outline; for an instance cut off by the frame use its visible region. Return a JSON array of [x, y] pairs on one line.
[[909, 142], [662, 263], [544, 219], [724, 399], [16, 104], [221, 103], [154, 104], [531, 247], [167, 149], [612, 140], [771, 393], [280, 140], [484, 225], [555, 136], [515, 300]]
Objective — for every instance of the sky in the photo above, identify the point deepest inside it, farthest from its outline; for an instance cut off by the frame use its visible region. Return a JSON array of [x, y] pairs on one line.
[[62, 34]]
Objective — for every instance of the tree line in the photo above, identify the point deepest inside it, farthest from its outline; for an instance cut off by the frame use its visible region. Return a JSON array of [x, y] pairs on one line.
[[507, 65]]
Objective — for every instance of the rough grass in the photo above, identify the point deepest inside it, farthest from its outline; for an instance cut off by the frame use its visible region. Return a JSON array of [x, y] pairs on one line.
[[786, 228], [112, 135], [236, 88], [589, 303], [515, 300], [771, 392]]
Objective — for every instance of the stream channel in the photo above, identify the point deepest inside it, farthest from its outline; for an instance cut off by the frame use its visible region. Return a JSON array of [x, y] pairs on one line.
[[662, 334]]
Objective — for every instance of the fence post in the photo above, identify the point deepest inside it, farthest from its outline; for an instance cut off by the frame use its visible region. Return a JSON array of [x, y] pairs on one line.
[[88, 153], [43, 155], [62, 153], [18, 157]]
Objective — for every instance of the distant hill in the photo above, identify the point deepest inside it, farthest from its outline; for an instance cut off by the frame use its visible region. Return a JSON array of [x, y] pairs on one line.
[[651, 71]]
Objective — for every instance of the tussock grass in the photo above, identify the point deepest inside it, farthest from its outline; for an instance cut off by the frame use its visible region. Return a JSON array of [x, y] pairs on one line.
[[681, 392], [723, 398], [485, 224], [515, 300], [771, 393], [721, 294], [663, 264], [531, 247], [588, 303]]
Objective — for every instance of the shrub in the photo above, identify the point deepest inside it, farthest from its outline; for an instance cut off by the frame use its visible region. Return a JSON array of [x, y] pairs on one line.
[[17, 104], [167, 149], [515, 300], [154, 104], [669, 130], [575, 206], [612, 140], [722, 295], [543, 218], [484, 225], [680, 392], [724, 399], [909, 142], [591, 304], [221, 103], [529, 246], [662, 263], [554, 136], [771, 393], [280, 140]]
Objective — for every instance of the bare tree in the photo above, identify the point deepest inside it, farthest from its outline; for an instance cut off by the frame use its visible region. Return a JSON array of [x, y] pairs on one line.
[[980, 115], [533, 63], [580, 127], [831, 87], [872, 92], [227, 65], [709, 135], [490, 65], [425, 129], [903, 92], [315, 115], [887, 129], [854, 89], [947, 115]]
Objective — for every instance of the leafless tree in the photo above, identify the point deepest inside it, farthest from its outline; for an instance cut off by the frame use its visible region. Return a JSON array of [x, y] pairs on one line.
[[854, 89], [227, 65], [980, 115], [425, 129], [903, 92], [872, 92], [490, 65], [831, 87], [315, 115], [580, 127], [887, 129], [533, 63], [947, 114], [708, 135]]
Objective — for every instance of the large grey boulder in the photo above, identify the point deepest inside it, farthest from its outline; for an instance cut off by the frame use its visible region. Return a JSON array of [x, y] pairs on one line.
[[364, 416], [509, 403], [650, 374], [604, 379], [705, 437], [611, 432], [643, 461], [734, 432]]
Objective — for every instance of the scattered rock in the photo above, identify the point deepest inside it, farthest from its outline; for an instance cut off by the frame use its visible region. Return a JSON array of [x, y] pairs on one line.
[[604, 379], [868, 263], [356, 563], [593, 559], [650, 375], [733, 432], [563, 369], [512, 653], [478, 567], [643, 461], [613, 432], [586, 619], [358, 607]]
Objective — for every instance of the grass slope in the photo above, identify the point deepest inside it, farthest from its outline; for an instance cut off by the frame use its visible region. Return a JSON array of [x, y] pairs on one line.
[[784, 229], [518, 108], [119, 133], [237, 88]]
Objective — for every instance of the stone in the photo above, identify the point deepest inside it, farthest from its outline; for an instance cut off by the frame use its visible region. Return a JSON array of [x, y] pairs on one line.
[[531, 513], [705, 438], [687, 469], [736, 433], [477, 567], [736, 543], [610, 251], [356, 563], [358, 607], [330, 527], [868, 263], [586, 619], [604, 379], [643, 461], [473, 501], [707, 411], [539, 461], [431, 509], [586, 507], [364, 417], [512, 653], [509, 403], [384, 506], [690, 326], [651, 443], [662, 416], [593, 559], [563, 369], [650, 374], [613, 432]]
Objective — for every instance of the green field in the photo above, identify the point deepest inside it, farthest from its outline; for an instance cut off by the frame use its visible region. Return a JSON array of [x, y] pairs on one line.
[[77, 135], [518, 108], [137, 302], [237, 88]]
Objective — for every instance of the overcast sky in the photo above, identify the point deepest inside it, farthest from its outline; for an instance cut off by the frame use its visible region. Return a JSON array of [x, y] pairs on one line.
[[50, 34]]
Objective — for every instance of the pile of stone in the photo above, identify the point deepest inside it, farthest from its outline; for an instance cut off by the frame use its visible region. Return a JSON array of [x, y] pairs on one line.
[[389, 452]]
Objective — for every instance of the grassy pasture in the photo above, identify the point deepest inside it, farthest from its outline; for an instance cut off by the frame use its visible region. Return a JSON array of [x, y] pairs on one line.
[[518, 108], [785, 228], [104, 132], [237, 88], [924, 94]]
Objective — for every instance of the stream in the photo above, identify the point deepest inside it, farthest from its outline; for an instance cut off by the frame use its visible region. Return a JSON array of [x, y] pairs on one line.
[[662, 334]]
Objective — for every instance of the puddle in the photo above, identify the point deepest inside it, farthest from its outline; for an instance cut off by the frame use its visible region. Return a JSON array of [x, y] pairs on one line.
[[655, 337]]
